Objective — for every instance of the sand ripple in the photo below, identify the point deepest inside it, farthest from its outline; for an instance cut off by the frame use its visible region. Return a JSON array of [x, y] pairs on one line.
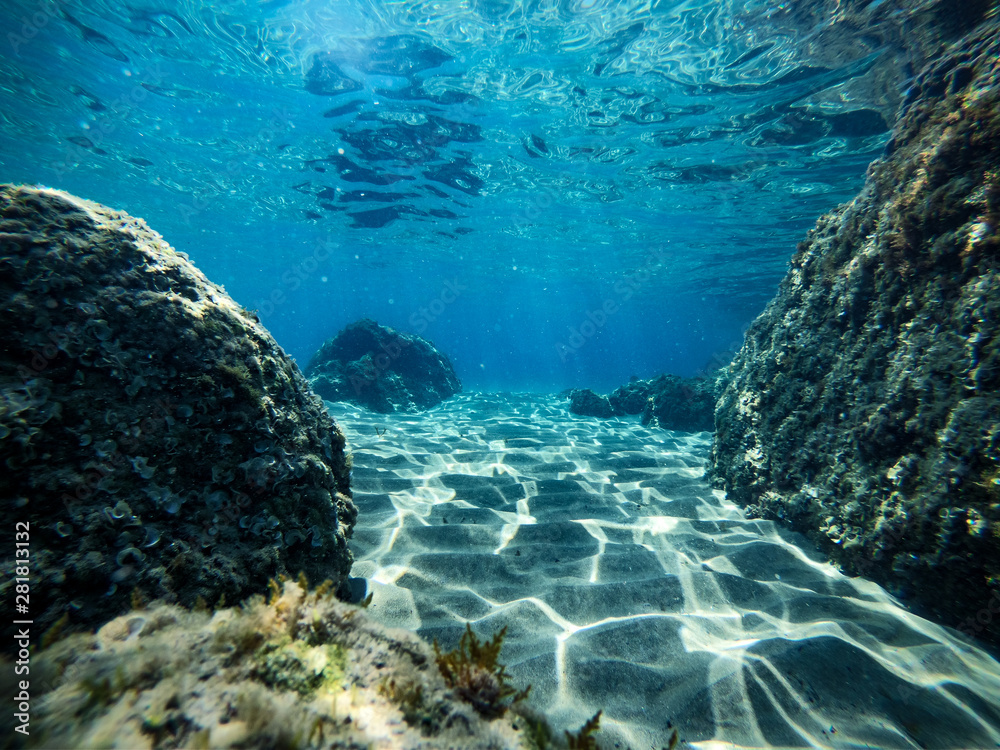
[[629, 585]]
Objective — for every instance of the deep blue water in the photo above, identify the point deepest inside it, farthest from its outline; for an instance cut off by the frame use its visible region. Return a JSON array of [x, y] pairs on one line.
[[487, 174]]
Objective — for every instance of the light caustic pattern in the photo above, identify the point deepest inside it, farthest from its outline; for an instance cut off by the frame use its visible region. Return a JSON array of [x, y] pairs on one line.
[[629, 585]]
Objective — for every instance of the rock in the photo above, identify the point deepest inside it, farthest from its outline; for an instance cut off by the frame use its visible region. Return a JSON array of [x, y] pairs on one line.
[[631, 398], [301, 670], [864, 408], [686, 404], [157, 442], [382, 369], [585, 403], [668, 401]]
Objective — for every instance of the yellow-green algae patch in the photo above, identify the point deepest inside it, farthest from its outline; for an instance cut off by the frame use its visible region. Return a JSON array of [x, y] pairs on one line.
[[300, 670]]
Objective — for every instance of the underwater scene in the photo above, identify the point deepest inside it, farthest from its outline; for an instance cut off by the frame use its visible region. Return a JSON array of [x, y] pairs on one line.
[[500, 374]]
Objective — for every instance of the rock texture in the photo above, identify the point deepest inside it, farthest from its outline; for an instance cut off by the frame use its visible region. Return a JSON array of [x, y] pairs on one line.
[[585, 403], [674, 403], [864, 406], [831, 34], [668, 401], [299, 671], [382, 369], [157, 442]]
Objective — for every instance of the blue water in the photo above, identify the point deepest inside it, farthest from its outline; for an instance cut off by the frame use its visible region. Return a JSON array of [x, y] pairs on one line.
[[327, 161]]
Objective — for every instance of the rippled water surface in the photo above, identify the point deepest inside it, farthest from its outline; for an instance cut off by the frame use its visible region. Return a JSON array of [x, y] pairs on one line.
[[549, 149]]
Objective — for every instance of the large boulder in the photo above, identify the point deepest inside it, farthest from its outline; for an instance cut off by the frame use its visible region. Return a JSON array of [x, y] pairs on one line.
[[865, 405], [157, 442], [378, 367]]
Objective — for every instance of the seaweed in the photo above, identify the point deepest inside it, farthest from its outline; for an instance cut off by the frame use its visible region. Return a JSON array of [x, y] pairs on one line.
[[56, 632], [537, 732], [474, 673], [583, 740], [417, 712]]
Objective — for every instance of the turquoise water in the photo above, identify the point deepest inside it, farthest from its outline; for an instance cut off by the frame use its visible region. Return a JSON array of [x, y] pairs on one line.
[[333, 160], [557, 193]]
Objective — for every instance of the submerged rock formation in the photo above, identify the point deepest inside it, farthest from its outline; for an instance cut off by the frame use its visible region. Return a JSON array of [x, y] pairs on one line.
[[301, 670], [668, 401], [382, 369], [585, 403], [157, 442], [674, 403], [865, 404]]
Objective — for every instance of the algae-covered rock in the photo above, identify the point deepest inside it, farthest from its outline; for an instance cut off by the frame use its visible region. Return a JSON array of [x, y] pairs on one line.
[[301, 670], [631, 398], [585, 403], [668, 401], [865, 404], [378, 367], [157, 442], [686, 404]]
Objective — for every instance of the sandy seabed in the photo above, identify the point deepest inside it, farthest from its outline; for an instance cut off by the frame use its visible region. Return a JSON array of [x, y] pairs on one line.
[[628, 585]]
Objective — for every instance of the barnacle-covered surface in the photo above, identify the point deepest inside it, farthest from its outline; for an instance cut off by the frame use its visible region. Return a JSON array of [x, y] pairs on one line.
[[864, 405], [379, 367], [301, 670], [157, 440]]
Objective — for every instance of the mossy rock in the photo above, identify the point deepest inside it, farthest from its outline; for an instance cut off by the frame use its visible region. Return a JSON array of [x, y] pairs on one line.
[[156, 438]]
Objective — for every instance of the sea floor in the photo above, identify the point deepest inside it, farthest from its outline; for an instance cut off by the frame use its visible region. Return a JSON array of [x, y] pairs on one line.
[[628, 585]]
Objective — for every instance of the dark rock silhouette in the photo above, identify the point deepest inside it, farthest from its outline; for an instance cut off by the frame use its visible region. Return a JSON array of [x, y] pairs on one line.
[[586, 403], [157, 442], [382, 369], [668, 401], [864, 407]]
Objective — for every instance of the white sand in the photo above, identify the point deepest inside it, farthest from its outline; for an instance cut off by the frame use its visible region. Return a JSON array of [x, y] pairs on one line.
[[628, 585]]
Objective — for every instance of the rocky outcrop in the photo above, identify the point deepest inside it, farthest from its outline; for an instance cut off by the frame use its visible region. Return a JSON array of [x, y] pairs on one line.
[[585, 403], [300, 670], [675, 403], [668, 401], [864, 408], [382, 369], [157, 442]]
